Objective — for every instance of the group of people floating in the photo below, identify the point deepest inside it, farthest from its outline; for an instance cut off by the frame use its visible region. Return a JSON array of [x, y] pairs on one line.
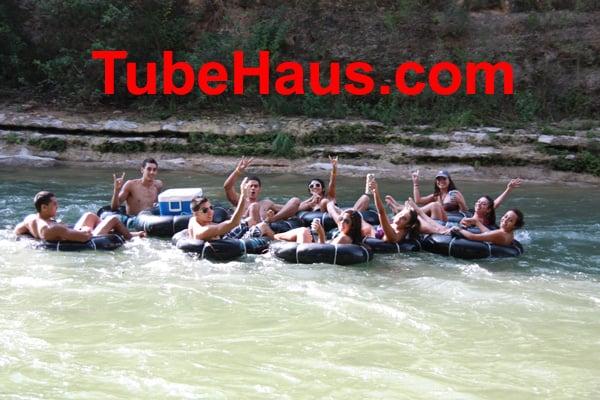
[[252, 215]]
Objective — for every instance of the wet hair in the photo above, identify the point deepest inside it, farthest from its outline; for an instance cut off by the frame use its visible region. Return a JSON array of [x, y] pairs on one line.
[[255, 178], [520, 218], [42, 198], [436, 189], [491, 214], [149, 161], [197, 202], [318, 180], [414, 225], [355, 226]]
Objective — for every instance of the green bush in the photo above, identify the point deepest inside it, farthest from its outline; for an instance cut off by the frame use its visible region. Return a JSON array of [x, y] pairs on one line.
[[283, 145], [13, 138], [49, 144]]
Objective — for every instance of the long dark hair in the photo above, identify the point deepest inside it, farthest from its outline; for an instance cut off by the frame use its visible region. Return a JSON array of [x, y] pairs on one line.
[[436, 189], [356, 225], [491, 215], [414, 225], [520, 218]]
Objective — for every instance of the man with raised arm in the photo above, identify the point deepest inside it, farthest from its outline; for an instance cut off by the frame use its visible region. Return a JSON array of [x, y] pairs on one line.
[[256, 209], [138, 194], [43, 225]]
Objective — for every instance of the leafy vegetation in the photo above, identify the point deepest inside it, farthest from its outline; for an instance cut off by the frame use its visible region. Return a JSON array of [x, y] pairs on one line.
[[45, 53]]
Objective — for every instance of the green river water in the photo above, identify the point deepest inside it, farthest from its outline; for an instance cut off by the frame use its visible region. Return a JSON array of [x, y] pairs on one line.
[[147, 321]]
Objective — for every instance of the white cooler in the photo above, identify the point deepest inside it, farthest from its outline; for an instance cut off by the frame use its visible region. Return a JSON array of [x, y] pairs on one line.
[[177, 201]]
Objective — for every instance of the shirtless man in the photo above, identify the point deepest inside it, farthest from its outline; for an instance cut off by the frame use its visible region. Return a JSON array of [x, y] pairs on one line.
[[201, 226], [138, 194], [43, 225], [255, 209]]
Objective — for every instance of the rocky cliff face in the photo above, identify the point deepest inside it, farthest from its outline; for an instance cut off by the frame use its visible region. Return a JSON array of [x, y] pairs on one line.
[[300, 145]]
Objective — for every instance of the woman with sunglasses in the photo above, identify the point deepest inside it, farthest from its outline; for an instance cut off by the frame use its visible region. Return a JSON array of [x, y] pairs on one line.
[[201, 226], [349, 229], [320, 197]]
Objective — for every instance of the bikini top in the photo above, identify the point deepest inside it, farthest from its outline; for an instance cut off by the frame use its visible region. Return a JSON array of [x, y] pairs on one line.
[[452, 205]]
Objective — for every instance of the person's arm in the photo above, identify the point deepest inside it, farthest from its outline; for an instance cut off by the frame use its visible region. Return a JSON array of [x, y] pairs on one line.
[[121, 190], [309, 204], [474, 222], [419, 200], [496, 236], [229, 184], [460, 200], [514, 183], [317, 227], [333, 211], [391, 235], [23, 227], [332, 178], [61, 232], [159, 188]]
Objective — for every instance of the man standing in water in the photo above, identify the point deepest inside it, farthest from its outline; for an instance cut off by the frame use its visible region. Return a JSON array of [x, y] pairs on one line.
[[255, 209], [138, 194], [43, 225]]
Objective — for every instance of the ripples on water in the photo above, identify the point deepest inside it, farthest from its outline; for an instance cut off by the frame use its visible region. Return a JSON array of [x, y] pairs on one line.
[[150, 322]]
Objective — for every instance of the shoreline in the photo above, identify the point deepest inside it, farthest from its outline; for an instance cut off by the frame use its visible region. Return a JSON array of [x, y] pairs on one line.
[[42, 138]]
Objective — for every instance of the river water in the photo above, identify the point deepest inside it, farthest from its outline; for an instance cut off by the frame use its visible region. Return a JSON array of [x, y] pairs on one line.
[[146, 321]]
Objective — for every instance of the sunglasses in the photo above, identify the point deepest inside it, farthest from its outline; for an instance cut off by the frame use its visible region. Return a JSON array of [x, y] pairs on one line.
[[441, 178], [314, 185], [204, 210]]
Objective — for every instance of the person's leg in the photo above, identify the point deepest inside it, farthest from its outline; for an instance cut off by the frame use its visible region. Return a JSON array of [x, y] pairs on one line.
[[393, 204], [291, 235], [87, 221], [111, 224], [323, 205], [367, 229], [435, 211], [288, 210], [362, 203], [430, 226], [254, 213], [266, 230]]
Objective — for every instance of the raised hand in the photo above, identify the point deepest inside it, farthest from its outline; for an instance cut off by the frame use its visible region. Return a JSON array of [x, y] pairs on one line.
[[243, 164], [334, 162], [118, 182], [244, 188], [415, 177], [373, 186], [514, 183]]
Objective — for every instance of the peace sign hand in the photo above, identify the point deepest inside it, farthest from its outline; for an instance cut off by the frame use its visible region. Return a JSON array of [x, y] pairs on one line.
[[243, 164], [118, 182], [333, 161]]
